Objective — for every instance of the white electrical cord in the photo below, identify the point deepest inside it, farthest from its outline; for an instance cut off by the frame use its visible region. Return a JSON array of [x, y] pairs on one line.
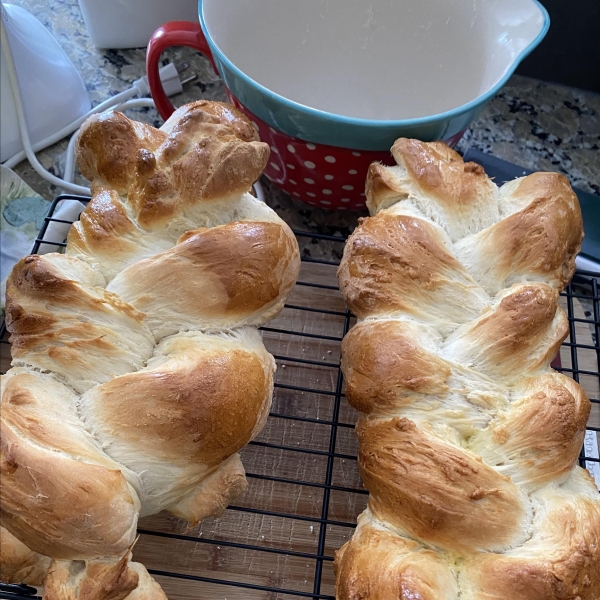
[[124, 100], [74, 126], [22, 122], [140, 87], [69, 174]]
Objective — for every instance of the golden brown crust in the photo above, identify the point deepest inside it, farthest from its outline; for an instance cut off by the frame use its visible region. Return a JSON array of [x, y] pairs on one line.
[[457, 196], [204, 411], [207, 150], [468, 441], [381, 265], [201, 398], [540, 241], [39, 490], [437, 492], [381, 361], [197, 172], [561, 561], [107, 147], [212, 151], [67, 326], [525, 330], [546, 236], [249, 261], [400, 263], [220, 113], [503, 577], [382, 189], [439, 171], [96, 581], [37, 278], [101, 580], [34, 276], [43, 410], [521, 316], [541, 433], [75, 475], [197, 176], [378, 565], [19, 564], [572, 576], [222, 276], [50, 464], [103, 222]]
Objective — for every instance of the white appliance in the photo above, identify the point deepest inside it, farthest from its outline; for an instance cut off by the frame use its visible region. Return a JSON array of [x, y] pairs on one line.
[[130, 23], [52, 90]]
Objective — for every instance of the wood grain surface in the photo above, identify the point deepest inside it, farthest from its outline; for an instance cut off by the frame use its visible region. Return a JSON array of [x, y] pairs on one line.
[[242, 546]]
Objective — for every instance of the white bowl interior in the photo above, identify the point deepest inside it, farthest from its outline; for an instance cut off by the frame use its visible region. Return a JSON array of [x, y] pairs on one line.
[[375, 59]]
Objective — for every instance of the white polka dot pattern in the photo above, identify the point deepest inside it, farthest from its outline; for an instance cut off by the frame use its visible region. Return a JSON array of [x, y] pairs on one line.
[[301, 167]]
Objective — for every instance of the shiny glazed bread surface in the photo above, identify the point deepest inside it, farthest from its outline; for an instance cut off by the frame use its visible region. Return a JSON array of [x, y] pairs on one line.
[[138, 372], [468, 439]]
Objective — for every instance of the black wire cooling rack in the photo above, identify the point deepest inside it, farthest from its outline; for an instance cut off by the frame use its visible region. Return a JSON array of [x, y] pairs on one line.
[[278, 541]]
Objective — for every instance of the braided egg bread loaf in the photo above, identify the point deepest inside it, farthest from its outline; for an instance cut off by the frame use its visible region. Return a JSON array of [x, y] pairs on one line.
[[138, 372], [468, 439]]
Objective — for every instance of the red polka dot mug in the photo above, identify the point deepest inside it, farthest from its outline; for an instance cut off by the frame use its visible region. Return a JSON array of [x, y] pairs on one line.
[[330, 84]]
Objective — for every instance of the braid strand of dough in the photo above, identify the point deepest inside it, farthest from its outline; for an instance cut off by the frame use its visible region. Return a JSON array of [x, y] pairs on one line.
[[468, 439], [138, 372]]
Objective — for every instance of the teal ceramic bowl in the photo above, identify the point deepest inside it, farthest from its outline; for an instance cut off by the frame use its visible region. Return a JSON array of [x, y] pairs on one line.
[[333, 78]]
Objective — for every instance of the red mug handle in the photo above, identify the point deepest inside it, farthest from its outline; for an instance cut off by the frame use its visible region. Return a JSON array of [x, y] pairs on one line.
[[174, 33]]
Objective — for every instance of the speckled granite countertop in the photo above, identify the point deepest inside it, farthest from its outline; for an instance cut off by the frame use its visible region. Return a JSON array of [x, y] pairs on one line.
[[538, 125]]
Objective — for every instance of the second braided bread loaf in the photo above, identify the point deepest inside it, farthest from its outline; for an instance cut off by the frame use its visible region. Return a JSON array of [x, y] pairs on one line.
[[468, 439]]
